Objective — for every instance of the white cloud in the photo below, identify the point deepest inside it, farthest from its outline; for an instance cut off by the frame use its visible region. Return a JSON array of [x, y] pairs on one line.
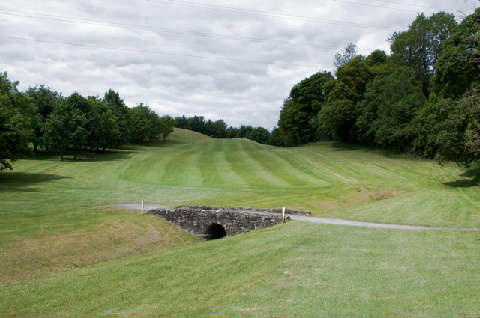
[[235, 60]]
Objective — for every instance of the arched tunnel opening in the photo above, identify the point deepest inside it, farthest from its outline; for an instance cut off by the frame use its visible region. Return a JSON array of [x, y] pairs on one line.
[[215, 231]]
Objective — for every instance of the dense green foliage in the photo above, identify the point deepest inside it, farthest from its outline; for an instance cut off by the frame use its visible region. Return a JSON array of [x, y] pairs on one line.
[[219, 129], [298, 123], [44, 100], [420, 46], [15, 124], [145, 126], [450, 128], [44, 119], [389, 105], [424, 98], [458, 67]]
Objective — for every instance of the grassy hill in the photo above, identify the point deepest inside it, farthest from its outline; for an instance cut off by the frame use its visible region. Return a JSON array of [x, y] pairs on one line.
[[55, 221]]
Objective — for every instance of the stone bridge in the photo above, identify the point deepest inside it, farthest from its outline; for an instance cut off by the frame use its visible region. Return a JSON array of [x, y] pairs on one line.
[[213, 223]]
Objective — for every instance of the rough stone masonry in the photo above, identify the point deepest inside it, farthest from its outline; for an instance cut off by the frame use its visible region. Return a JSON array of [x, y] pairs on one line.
[[201, 220]]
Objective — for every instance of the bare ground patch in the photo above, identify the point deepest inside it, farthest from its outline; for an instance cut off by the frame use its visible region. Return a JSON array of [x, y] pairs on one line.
[[358, 197]]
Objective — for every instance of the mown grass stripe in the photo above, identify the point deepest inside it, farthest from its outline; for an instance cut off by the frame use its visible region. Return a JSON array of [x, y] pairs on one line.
[[249, 169], [231, 178], [278, 167]]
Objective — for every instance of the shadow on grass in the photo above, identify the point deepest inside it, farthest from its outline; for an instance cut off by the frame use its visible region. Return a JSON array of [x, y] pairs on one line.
[[165, 143], [471, 178], [21, 181], [108, 155], [462, 183], [122, 153], [99, 157], [388, 153]]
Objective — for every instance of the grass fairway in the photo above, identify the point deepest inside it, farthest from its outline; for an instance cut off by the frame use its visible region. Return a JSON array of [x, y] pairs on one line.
[[296, 269], [63, 251]]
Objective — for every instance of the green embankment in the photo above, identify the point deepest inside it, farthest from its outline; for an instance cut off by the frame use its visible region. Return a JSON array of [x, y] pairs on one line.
[[298, 270], [55, 220]]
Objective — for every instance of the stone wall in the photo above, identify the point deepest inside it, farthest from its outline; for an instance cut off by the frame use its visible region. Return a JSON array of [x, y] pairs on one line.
[[234, 220], [261, 210]]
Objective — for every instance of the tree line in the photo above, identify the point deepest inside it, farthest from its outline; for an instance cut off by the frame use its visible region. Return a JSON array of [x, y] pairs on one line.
[[219, 129], [423, 98], [41, 119]]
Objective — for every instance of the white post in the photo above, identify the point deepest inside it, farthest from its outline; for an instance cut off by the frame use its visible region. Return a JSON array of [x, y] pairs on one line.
[[283, 215], [143, 207]]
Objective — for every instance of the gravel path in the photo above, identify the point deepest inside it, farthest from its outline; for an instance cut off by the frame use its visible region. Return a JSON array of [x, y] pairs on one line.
[[378, 225], [318, 220]]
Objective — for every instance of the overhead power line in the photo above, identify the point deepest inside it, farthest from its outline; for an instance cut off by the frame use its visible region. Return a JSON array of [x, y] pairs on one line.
[[256, 12], [173, 54], [144, 26], [80, 20], [75, 20], [189, 3], [376, 4], [280, 14]]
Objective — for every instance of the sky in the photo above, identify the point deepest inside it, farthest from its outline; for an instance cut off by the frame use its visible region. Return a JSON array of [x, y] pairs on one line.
[[229, 59]]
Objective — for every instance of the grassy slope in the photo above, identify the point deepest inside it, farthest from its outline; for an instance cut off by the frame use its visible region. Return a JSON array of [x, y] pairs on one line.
[[347, 183], [297, 269], [53, 218], [119, 234], [45, 196]]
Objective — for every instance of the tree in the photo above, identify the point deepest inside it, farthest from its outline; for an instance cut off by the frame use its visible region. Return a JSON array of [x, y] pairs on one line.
[[44, 100], [472, 139], [449, 129], [120, 111], [15, 125], [346, 55], [464, 125], [338, 116], [419, 47], [144, 125], [390, 104], [197, 123], [458, 67], [66, 128], [338, 119], [166, 126], [219, 129], [104, 131], [260, 135], [244, 131], [294, 124], [298, 118], [276, 138], [80, 136], [232, 132], [377, 57], [352, 79]]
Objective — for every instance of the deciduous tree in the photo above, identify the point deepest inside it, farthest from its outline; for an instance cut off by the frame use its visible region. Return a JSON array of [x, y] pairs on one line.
[[15, 123]]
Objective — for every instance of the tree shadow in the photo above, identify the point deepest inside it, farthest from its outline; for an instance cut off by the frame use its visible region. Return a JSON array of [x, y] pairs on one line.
[[471, 178], [388, 153], [21, 181], [107, 155], [163, 143], [113, 155], [462, 183]]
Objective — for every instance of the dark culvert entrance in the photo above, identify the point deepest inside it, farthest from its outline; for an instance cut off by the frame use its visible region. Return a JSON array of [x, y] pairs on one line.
[[215, 231]]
